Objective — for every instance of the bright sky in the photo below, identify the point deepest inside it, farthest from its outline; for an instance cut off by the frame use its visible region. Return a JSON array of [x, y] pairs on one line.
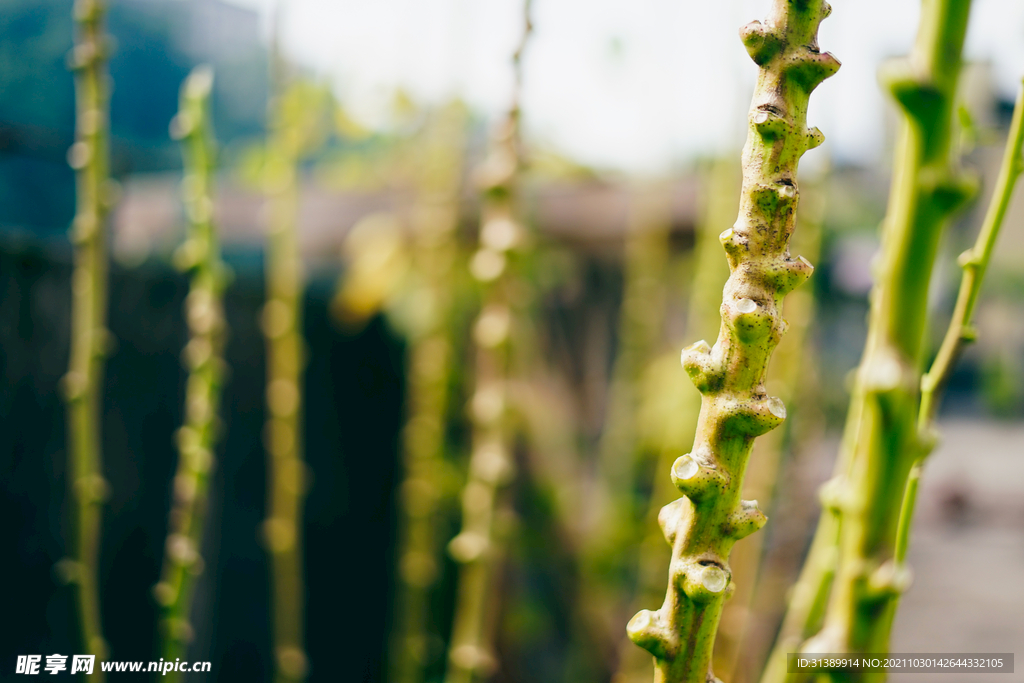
[[629, 84]]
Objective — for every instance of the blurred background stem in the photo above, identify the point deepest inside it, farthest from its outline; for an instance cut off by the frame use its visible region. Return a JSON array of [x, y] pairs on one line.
[[297, 113], [90, 339], [199, 255], [477, 547], [435, 218]]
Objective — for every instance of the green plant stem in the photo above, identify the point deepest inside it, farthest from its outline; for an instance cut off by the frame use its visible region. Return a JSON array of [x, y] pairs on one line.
[[90, 340], [204, 358], [790, 370], [291, 113], [974, 263], [617, 511], [476, 547], [927, 189], [809, 596], [961, 332], [703, 525], [435, 218], [702, 318]]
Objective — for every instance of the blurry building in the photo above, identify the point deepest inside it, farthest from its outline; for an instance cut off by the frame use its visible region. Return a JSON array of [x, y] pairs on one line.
[[157, 42], [590, 217], [213, 30]]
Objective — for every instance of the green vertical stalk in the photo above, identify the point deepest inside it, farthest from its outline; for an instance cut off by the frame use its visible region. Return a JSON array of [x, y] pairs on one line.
[[199, 255], [90, 340], [809, 596], [702, 317], [857, 547], [702, 526], [434, 219], [789, 367], [927, 189], [295, 119], [475, 548], [974, 263], [960, 332]]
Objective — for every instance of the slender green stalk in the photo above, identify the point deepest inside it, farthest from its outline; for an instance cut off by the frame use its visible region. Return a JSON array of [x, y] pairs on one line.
[[927, 189], [809, 596], [960, 332], [861, 539], [296, 120], [475, 548], [703, 525], [435, 217], [90, 340], [204, 358], [974, 263]]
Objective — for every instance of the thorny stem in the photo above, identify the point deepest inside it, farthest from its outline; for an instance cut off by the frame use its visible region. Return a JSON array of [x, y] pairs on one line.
[[703, 525], [885, 443], [736, 634], [435, 216], [475, 548], [90, 340], [204, 358]]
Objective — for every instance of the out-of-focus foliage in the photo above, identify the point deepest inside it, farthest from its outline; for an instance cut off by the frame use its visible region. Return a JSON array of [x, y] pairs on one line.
[[378, 268]]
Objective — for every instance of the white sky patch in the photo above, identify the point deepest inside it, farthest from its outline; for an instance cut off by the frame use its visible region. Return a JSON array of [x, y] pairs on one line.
[[635, 85]]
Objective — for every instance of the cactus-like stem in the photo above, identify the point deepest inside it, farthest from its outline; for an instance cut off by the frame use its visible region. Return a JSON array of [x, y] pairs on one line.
[[90, 339], [490, 465], [736, 635], [435, 217], [199, 255], [702, 526], [927, 189]]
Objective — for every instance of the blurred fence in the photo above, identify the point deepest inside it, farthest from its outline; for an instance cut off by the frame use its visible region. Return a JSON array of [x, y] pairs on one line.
[[353, 392]]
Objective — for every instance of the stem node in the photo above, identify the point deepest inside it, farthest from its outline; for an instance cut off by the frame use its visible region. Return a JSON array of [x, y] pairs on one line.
[[745, 520]]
